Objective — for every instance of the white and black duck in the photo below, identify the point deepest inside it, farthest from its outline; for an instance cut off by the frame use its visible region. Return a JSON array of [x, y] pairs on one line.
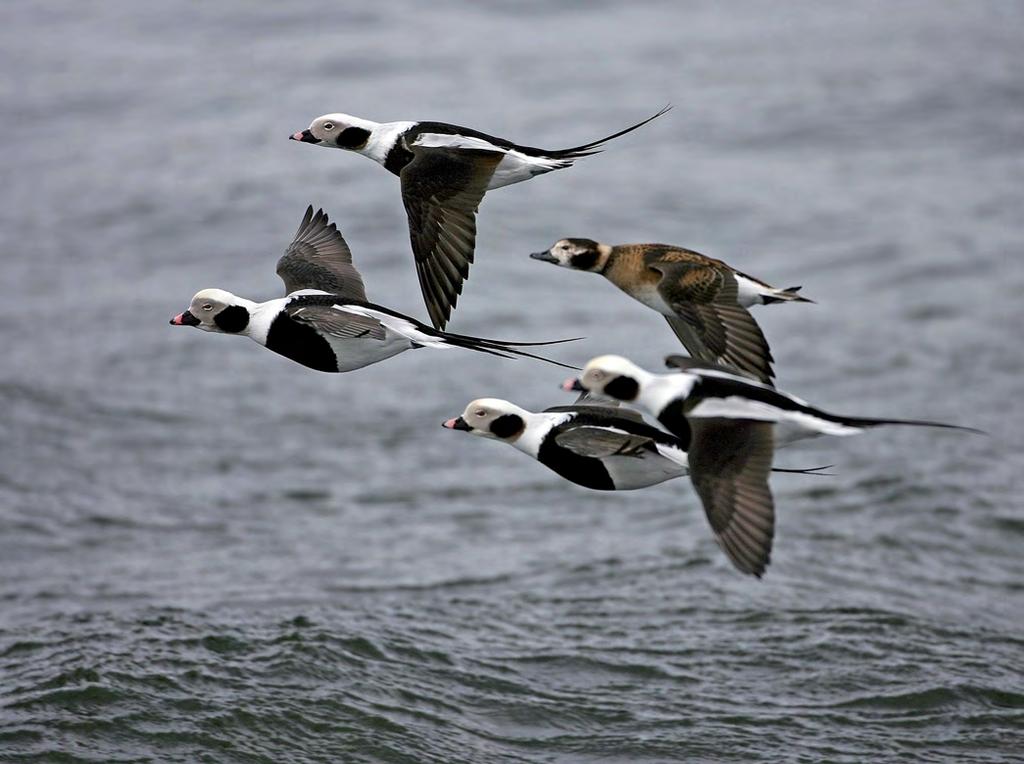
[[324, 321], [445, 170], [730, 424]]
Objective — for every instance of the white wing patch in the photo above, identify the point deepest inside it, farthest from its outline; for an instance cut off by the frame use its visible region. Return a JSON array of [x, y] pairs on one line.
[[442, 141], [746, 381], [734, 407]]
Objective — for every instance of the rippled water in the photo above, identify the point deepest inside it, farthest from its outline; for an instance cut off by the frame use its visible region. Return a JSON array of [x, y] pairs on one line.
[[210, 554]]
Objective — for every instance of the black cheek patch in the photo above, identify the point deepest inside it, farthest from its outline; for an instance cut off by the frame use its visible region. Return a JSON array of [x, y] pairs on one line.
[[585, 260], [233, 319], [507, 425], [623, 388], [353, 138]]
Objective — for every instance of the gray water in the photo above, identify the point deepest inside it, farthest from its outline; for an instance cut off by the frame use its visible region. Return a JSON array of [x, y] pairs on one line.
[[208, 553]]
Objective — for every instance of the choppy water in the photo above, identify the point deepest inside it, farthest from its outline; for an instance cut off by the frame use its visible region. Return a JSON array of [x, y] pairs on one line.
[[210, 554]]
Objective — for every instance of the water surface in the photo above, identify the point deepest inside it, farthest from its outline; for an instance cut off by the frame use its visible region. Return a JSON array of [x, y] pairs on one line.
[[210, 554]]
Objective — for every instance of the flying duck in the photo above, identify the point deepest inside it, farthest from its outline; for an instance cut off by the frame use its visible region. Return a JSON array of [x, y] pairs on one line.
[[729, 422], [593, 444], [445, 170], [324, 321], [600, 447], [704, 300]]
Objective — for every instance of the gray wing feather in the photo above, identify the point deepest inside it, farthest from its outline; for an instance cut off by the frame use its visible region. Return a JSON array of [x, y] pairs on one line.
[[598, 442], [688, 336], [319, 258], [730, 461], [338, 323]]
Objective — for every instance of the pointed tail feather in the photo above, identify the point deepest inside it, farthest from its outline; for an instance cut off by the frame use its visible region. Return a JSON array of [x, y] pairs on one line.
[[815, 471], [789, 294], [527, 344], [856, 421], [595, 147], [503, 349], [425, 336]]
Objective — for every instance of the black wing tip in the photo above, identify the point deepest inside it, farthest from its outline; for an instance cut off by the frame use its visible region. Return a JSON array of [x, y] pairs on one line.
[[440, 313], [742, 560], [312, 221], [756, 568]]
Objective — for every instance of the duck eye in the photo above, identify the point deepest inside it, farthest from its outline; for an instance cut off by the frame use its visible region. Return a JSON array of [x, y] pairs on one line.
[[328, 126], [208, 306], [480, 413]]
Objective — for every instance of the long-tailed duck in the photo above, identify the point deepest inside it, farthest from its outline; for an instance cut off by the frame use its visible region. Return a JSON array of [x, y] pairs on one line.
[[730, 421], [324, 321], [445, 170], [704, 300]]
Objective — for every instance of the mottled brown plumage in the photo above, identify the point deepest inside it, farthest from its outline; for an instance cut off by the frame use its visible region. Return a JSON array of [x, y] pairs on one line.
[[703, 293]]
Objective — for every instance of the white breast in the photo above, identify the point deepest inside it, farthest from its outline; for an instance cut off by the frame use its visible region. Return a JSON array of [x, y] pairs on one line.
[[649, 295]]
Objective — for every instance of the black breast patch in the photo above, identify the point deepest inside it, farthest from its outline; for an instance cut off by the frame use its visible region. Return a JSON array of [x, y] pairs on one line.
[[674, 421], [581, 470], [301, 343], [398, 157]]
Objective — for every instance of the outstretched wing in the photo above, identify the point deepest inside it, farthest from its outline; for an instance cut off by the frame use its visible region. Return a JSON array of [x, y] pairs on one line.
[[730, 460], [709, 320], [442, 188], [319, 258]]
